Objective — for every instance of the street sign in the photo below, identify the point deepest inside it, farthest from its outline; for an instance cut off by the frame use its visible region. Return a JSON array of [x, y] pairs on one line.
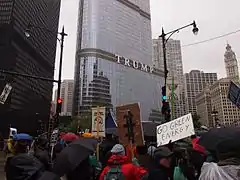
[[234, 94], [6, 91]]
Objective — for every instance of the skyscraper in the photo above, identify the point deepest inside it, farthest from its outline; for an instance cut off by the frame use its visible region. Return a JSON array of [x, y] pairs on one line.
[[114, 57], [34, 56], [67, 97], [175, 68], [195, 81], [231, 64]]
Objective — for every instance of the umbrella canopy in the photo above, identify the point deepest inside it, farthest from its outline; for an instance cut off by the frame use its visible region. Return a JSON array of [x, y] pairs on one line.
[[23, 166], [69, 137], [210, 139], [88, 143], [71, 156], [22, 136]]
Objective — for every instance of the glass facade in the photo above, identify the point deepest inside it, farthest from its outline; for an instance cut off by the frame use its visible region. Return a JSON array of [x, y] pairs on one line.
[[107, 28]]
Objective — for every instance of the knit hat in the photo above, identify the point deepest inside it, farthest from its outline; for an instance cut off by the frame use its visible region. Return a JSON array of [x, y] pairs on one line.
[[162, 152], [118, 149]]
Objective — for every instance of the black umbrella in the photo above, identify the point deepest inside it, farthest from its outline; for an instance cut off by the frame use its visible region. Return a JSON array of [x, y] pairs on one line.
[[210, 139], [89, 143], [72, 155]]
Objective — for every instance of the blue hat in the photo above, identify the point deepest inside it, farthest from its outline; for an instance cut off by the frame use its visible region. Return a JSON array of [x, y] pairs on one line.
[[22, 136]]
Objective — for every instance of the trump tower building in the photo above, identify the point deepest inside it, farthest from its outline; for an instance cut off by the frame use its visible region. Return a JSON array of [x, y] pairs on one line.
[[114, 57]]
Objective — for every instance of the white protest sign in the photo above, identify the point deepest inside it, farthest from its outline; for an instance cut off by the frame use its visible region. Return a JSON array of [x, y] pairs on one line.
[[98, 121], [177, 129]]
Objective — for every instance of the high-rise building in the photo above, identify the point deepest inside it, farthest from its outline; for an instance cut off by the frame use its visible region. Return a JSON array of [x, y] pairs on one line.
[[227, 113], [33, 56], [114, 57], [175, 75], [204, 107], [195, 81], [231, 64], [67, 97]]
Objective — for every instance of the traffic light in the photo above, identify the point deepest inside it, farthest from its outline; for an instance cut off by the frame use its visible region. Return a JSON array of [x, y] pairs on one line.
[[166, 111], [59, 105], [164, 94]]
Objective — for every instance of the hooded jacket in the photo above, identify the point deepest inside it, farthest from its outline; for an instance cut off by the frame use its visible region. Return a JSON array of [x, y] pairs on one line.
[[212, 171], [130, 171]]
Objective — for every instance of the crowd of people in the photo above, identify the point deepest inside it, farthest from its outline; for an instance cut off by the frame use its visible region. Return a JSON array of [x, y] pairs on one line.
[[114, 161]]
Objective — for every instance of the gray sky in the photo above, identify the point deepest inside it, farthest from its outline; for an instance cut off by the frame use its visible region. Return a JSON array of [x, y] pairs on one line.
[[213, 17]]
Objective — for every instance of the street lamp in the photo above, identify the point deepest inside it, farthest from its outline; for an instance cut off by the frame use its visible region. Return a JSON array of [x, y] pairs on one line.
[[61, 40], [164, 42]]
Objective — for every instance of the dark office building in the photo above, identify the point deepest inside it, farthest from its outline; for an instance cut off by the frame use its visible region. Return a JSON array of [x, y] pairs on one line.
[[30, 99]]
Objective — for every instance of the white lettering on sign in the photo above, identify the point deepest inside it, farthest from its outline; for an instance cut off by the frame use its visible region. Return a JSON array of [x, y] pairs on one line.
[[134, 64], [175, 130]]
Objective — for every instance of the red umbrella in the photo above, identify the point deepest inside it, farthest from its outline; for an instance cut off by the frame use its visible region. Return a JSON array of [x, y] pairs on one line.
[[69, 137], [62, 134]]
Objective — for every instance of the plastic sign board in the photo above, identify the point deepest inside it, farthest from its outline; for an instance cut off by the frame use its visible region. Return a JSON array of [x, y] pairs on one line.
[[6, 91], [98, 121], [175, 130]]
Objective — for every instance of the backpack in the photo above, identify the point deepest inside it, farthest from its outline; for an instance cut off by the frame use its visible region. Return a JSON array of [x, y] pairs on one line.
[[114, 173]]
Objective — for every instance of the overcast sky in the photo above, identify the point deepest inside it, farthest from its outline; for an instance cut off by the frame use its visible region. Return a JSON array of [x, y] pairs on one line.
[[213, 17]]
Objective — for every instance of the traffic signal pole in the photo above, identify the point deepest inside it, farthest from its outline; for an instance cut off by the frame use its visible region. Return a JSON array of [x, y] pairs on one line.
[[165, 105], [58, 109], [164, 57]]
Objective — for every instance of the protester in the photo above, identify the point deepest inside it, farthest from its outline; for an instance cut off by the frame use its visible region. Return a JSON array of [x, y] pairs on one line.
[[119, 167], [144, 159], [105, 148], [41, 152], [183, 170], [228, 166], [162, 158]]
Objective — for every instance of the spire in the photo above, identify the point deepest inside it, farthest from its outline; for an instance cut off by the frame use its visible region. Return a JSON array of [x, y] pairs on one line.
[[228, 47]]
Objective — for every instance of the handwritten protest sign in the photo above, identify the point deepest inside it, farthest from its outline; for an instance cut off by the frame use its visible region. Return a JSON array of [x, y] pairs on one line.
[[175, 130], [136, 119], [98, 121]]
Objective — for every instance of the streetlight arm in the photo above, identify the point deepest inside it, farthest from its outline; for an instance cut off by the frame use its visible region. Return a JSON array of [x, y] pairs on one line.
[[176, 30]]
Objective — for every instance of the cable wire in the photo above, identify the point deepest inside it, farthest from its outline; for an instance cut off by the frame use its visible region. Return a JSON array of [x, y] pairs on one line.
[[211, 39]]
